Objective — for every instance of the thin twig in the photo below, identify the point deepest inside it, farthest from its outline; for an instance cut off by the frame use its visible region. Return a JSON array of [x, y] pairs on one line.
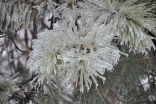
[[15, 44]]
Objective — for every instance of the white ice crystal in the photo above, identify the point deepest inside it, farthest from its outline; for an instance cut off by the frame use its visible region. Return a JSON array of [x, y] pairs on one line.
[[65, 53]]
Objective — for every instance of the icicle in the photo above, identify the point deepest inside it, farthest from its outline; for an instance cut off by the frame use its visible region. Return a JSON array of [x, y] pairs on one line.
[[124, 54]]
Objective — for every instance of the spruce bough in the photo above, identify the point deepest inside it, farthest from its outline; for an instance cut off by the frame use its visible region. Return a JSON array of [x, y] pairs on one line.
[[81, 49]]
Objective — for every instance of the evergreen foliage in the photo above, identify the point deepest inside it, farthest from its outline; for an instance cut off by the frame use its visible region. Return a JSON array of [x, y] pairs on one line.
[[92, 52]]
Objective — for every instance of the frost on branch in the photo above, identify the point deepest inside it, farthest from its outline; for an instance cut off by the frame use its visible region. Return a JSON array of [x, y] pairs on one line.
[[12, 18], [65, 53], [131, 21]]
